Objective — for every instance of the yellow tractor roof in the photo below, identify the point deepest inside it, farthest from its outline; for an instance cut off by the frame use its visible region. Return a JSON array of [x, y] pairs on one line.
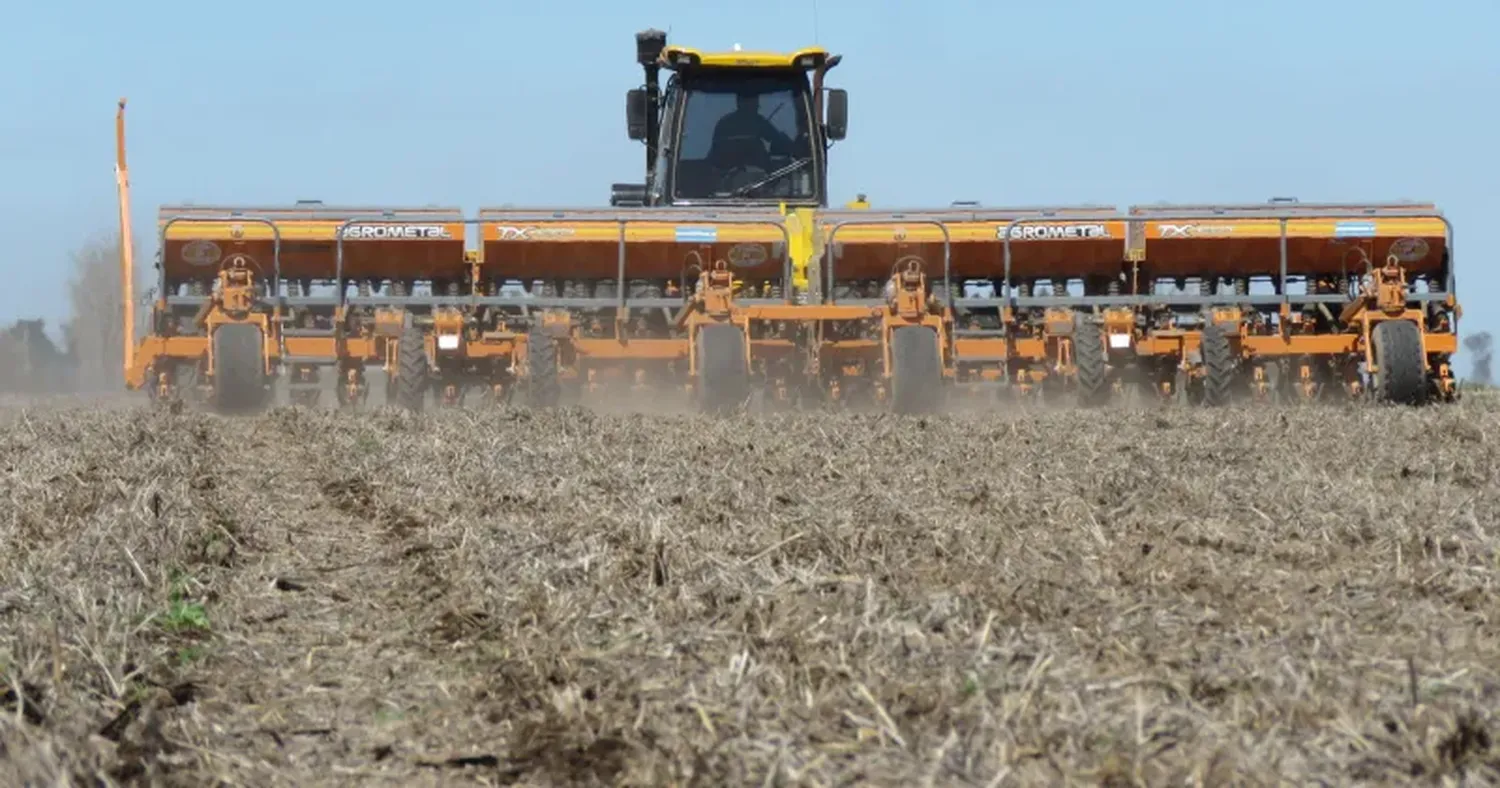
[[807, 58]]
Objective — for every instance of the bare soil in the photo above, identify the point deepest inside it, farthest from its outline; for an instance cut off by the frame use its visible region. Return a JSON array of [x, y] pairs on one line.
[[1243, 596]]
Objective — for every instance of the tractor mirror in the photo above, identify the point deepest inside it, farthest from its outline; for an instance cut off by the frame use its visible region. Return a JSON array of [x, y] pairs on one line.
[[837, 123], [635, 113]]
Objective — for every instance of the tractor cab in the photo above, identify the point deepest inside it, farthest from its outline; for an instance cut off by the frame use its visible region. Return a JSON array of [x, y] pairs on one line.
[[732, 128]]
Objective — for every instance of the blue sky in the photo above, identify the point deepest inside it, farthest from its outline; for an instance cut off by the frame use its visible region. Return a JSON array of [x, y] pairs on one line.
[[484, 103]]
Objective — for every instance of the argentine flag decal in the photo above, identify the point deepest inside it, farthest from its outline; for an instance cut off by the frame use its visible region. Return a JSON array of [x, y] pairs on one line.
[[697, 235], [1354, 230]]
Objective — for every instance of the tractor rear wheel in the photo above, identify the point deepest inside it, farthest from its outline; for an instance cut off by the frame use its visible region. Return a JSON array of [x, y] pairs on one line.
[[1218, 366], [1091, 361], [411, 370], [916, 370], [1399, 374], [723, 375], [541, 370], [239, 368]]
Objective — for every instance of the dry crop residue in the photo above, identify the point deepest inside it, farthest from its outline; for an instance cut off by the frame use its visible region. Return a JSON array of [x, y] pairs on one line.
[[309, 597]]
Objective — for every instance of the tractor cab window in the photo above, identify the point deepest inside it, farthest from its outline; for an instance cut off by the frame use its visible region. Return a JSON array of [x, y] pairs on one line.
[[745, 138]]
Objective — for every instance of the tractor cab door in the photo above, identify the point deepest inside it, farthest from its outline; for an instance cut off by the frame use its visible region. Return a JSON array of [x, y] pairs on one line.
[[736, 137]]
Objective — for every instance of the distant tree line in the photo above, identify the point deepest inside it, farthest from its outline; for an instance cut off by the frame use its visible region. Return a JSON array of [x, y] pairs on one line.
[[91, 356]]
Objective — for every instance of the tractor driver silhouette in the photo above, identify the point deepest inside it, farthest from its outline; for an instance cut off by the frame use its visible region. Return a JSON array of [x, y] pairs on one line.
[[742, 137]]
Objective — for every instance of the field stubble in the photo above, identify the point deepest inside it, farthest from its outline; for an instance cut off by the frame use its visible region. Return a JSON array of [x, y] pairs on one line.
[[1129, 596]]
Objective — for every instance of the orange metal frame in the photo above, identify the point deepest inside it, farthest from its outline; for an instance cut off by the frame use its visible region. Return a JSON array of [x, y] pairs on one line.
[[533, 243]]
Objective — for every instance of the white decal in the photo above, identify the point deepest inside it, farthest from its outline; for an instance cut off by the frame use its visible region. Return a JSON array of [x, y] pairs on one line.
[[1410, 250], [394, 232], [747, 255], [201, 253], [1195, 230], [511, 233], [1052, 232]]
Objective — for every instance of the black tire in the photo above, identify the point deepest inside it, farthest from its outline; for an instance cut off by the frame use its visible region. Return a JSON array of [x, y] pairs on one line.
[[542, 385], [723, 374], [411, 370], [1218, 366], [916, 370], [1091, 361], [239, 382], [1399, 374]]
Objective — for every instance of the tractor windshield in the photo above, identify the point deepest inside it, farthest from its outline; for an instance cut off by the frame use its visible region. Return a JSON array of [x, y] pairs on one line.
[[745, 137]]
